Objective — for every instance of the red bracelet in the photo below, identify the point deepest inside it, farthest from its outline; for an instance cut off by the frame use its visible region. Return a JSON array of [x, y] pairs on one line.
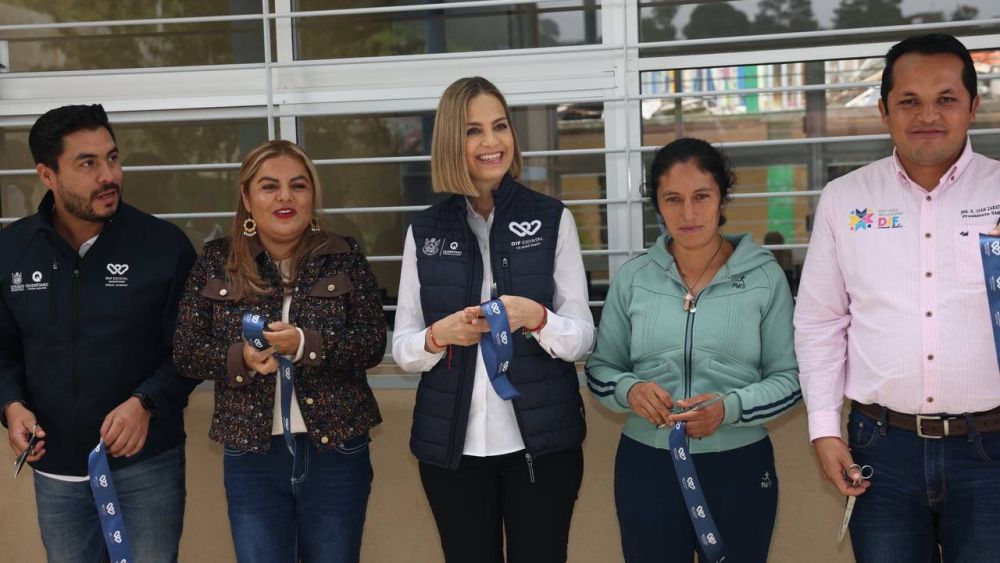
[[430, 333], [541, 325]]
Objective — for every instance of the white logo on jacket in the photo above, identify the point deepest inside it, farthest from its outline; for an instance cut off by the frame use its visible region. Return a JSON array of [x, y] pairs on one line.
[[431, 246], [525, 228], [117, 277], [17, 282]]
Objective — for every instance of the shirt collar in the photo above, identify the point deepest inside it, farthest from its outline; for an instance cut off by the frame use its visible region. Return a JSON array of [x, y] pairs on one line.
[[949, 177]]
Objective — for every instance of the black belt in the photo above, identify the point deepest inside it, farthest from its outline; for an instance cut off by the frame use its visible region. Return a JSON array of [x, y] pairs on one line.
[[934, 426]]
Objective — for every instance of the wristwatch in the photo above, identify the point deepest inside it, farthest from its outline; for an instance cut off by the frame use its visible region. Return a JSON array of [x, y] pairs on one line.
[[147, 403]]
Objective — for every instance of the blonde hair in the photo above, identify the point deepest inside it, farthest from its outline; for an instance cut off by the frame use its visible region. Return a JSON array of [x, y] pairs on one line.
[[449, 170], [241, 268]]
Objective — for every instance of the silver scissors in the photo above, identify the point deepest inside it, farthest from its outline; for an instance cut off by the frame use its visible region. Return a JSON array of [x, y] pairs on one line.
[[696, 407], [861, 473]]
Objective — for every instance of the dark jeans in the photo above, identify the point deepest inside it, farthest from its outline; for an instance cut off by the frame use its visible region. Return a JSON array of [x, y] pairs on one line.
[[486, 496], [309, 506], [927, 498], [150, 495], [740, 487]]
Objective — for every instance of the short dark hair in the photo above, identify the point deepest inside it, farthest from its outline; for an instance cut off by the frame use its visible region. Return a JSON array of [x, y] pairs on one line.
[[46, 136], [687, 149], [930, 44]]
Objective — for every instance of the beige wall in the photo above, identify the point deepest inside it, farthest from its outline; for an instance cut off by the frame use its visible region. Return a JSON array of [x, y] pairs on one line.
[[400, 528]]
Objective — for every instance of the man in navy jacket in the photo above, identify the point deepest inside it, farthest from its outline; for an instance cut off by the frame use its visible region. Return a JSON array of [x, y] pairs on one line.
[[89, 288]]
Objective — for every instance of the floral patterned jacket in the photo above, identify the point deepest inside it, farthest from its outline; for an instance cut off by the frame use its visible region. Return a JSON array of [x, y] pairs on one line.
[[335, 302]]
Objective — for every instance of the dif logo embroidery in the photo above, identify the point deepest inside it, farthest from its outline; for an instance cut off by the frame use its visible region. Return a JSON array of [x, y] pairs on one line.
[[117, 277], [863, 220], [525, 229]]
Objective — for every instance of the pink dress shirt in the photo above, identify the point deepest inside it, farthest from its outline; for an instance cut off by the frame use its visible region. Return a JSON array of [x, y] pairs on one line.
[[892, 305]]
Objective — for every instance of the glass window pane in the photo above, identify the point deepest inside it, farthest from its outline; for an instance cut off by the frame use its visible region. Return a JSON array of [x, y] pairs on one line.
[[840, 110], [669, 20], [133, 46], [573, 22]]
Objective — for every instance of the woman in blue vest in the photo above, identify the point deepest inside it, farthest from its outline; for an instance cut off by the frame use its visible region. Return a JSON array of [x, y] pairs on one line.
[[490, 465], [698, 317]]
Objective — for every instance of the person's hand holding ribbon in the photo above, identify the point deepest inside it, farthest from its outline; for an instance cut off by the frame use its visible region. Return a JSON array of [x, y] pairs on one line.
[[522, 312], [461, 328], [701, 422], [283, 337], [125, 428]]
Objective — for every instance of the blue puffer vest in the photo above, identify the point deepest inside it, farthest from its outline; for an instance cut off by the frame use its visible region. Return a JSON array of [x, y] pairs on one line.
[[450, 266]]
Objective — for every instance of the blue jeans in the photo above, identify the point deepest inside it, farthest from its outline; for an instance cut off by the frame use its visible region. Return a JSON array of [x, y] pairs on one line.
[[151, 496], [740, 486], [309, 506], [928, 498]]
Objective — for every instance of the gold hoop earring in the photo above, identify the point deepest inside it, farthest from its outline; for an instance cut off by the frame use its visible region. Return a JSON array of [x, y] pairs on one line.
[[249, 227], [314, 225]]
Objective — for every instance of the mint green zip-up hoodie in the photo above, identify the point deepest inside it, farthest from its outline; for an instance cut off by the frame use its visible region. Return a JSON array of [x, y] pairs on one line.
[[739, 341]]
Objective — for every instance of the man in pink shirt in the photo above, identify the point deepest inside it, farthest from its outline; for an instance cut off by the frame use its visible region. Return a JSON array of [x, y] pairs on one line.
[[892, 313]]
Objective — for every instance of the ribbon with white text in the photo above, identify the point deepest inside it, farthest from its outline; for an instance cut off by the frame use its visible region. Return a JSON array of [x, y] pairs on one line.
[[704, 527], [253, 332], [108, 509]]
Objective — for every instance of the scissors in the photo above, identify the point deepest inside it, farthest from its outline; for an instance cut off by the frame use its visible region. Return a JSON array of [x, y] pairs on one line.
[[695, 407], [861, 473], [19, 463]]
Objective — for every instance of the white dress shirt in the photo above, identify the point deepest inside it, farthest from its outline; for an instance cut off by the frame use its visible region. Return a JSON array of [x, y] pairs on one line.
[[492, 427]]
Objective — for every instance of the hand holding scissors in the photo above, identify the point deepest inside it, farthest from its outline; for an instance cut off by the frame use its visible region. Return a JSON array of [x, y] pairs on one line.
[[857, 475]]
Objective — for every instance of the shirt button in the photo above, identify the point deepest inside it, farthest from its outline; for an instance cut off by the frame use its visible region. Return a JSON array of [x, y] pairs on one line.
[[223, 292], [324, 440], [928, 198], [312, 355], [928, 314], [927, 235], [928, 274], [309, 401], [239, 379], [930, 357], [930, 399], [331, 288]]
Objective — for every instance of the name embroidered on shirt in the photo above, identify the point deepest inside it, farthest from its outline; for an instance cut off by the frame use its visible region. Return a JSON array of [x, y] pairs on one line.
[[980, 212]]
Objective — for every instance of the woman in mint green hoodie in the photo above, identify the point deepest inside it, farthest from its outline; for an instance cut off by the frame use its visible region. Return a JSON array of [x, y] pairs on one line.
[[699, 316]]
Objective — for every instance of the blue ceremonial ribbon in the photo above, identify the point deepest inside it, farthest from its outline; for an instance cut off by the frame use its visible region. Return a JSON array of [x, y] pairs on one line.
[[498, 349], [989, 247], [253, 332], [704, 527], [108, 509]]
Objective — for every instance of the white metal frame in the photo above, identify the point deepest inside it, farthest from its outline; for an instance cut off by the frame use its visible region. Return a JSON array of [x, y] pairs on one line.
[[284, 89]]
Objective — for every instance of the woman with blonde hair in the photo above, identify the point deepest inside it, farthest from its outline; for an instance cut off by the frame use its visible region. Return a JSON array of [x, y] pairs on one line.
[[498, 441], [292, 403]]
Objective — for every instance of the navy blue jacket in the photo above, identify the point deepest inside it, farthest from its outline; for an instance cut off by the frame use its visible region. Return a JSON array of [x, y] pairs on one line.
[[78, 336], [450, 268]]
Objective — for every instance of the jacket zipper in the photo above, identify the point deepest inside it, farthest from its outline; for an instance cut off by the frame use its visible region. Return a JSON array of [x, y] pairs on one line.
[[74, 334], [502, 275], [689, 347], [52, 290]]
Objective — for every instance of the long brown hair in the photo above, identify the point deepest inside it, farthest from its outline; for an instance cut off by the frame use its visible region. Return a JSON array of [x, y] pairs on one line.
[[244, 279], [449, 170]]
